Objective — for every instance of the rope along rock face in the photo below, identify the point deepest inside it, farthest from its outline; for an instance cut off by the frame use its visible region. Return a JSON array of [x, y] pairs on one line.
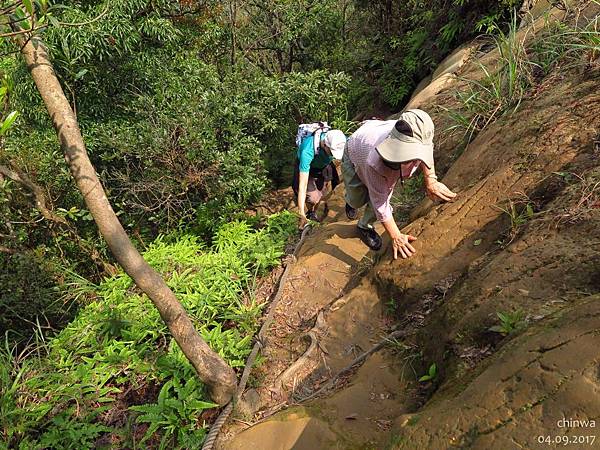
[[222, 419]]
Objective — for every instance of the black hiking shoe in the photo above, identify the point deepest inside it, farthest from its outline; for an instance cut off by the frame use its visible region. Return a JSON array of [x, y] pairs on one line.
[[370, 237], [351, 213], [312, 215]]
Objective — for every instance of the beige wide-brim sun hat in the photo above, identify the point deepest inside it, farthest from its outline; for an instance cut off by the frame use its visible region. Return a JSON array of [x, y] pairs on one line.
[[400, 148]]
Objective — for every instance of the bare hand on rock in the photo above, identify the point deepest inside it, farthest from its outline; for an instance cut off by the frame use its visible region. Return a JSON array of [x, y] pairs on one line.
[[436, 189], [402, 246]]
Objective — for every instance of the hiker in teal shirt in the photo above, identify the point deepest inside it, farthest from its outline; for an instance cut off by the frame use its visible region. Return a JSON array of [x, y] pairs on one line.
[[314, 170], [307, 158]]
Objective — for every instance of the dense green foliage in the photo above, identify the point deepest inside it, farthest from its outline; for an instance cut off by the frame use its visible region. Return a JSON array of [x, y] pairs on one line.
[[73, 390], [189, 109], [395, 44]]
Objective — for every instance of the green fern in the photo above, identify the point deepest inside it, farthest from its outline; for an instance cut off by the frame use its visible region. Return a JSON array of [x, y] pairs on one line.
[[175, 412]]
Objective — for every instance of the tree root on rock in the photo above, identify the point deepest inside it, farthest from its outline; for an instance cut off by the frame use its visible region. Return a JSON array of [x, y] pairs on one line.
[[287, 375]]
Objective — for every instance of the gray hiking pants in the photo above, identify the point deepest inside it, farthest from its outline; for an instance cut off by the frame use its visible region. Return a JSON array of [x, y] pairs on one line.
[[357, 194]]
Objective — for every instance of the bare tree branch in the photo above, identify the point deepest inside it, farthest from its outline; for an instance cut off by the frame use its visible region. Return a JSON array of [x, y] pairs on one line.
[[21, 32], [37, 191], [87, 22]]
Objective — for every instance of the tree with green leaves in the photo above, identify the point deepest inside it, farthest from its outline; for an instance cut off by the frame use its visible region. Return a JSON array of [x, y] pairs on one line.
[[22, 21]]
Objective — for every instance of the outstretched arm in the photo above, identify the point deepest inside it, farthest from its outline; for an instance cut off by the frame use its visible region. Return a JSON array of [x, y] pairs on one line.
[[434, 188], [380, 194], [302, 186]]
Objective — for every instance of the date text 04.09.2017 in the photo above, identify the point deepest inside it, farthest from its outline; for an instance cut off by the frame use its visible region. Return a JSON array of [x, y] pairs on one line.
[[567, 440]]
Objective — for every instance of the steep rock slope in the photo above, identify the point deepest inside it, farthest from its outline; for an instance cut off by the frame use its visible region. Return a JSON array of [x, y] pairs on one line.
[[522, 240]]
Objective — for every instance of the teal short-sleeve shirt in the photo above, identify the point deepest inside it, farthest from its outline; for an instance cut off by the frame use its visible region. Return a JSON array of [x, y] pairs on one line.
[[307, 158]]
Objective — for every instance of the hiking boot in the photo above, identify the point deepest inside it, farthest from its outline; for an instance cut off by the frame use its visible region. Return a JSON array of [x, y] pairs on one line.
[[370, 237], [351, 213], [312, 215]]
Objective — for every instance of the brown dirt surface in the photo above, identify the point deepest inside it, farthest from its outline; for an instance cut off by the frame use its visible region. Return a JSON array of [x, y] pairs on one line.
[[502, 296], [273, 201], [327, 279]]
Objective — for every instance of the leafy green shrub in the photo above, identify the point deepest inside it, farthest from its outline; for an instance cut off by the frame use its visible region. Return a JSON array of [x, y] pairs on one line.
[[177, 404], [406, 40], [182, 141], [119, 344]]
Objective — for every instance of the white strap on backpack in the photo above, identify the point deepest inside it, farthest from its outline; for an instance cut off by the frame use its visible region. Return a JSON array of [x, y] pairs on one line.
[[309, 129]]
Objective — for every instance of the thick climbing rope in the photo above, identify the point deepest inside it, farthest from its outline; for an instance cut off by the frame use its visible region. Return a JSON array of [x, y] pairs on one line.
[[213, 434]]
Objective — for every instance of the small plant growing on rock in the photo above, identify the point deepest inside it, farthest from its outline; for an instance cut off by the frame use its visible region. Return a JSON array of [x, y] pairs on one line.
[[431, 374], [391, 307], [520, 212], [509, 322], [518, 218]]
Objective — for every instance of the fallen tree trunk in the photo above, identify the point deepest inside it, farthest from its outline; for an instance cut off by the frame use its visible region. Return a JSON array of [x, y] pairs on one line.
[[211, 368]]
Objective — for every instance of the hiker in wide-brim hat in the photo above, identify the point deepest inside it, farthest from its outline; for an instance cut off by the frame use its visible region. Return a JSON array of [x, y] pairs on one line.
[[315, 173], [377, 155]]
